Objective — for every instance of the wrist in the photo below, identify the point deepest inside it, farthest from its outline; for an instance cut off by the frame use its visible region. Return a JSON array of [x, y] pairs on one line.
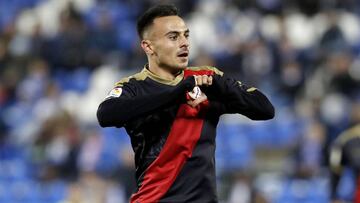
[[188, 84]]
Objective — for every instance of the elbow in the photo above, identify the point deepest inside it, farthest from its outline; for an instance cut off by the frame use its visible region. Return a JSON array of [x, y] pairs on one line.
[[270, 112], [107, 116], [101, 117], [265, 113], [102, 123]]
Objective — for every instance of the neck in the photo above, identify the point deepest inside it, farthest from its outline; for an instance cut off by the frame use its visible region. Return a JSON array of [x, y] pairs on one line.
[[163, 72]]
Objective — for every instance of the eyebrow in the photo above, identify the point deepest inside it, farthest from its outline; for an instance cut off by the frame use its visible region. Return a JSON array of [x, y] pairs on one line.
[[177, 32]]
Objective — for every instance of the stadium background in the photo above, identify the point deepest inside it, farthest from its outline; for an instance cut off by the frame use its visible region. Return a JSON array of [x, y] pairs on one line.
[[59, 58]]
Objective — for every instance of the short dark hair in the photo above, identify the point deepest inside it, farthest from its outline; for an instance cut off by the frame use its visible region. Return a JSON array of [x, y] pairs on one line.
[[149, 15]]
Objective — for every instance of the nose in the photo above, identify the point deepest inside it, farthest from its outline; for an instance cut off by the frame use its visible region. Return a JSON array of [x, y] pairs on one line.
[[184, 42]]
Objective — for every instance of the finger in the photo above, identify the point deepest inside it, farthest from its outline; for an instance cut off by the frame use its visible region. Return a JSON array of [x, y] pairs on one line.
[[198, 100], [210, 79], [191, 103], [199, 80], [204, 79], [196, 78]]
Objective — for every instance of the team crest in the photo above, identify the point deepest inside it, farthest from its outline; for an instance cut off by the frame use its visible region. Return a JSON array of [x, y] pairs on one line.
[[195, 93]]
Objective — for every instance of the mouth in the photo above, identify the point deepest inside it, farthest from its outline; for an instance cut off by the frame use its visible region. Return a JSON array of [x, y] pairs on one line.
[[183, 54]]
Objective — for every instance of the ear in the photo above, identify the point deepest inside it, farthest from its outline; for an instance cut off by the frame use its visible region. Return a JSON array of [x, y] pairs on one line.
[[147, 46]]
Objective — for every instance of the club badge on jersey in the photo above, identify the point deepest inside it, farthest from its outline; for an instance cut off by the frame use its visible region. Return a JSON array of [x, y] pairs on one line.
[[195, 93], [116, 92]]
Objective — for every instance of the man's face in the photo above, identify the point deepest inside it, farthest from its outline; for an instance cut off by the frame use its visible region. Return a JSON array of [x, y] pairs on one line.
[[168, 39]]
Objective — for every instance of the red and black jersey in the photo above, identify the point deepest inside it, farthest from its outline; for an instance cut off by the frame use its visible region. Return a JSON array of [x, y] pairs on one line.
[[174, 143]]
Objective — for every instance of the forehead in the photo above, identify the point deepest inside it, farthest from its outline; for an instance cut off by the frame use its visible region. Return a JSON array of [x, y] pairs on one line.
[[163, 25]]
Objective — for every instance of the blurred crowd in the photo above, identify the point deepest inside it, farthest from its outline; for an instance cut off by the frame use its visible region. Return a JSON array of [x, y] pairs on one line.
[[59, 59]]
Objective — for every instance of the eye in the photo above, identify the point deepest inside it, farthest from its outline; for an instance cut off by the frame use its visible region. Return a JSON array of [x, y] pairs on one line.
[[186, 36], [173, 37]]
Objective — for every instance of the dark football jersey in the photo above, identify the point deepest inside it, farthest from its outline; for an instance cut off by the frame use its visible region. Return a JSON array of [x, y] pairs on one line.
[[174, 143]]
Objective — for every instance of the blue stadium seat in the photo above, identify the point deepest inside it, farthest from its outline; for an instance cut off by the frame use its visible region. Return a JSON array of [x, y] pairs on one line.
[[304, 191], [126, 35], [53, 191], [4, 192], [13, 170], [24, 191], [233, 146], [114, 139], [10, 9], [259, 134], [77, 80]]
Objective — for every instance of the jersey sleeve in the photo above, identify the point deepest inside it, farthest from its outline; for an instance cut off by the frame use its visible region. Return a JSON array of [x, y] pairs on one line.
[[124, 103], [123, 90], [232, 96]]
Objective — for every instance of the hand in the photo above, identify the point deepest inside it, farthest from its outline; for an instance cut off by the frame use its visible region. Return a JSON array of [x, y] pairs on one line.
[[196, 94], [198, 100], [203, 80]]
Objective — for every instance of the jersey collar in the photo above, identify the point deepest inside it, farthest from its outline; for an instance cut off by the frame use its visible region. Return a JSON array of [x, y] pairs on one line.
[[161, 80]]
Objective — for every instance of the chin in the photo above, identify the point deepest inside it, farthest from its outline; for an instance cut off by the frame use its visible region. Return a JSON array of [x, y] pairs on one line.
[[183, 65], [180, 66]]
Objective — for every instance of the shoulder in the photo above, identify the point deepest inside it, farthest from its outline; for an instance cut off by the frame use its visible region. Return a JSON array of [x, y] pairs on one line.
[[205, 69], [127, 85], [140, 76]]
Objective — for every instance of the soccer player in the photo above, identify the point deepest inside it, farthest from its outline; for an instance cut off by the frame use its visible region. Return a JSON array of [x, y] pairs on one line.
[[170, 112], [345, 152]]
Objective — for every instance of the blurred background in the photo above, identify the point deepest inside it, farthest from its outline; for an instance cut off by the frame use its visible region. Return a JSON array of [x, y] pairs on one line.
[[59, 59]]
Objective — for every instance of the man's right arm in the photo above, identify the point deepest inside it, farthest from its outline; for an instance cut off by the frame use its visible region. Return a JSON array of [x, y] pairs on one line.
[[116, 111]]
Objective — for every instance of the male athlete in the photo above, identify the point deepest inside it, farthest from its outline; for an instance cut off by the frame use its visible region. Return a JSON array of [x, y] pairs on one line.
[[170, 112], [345, 152]]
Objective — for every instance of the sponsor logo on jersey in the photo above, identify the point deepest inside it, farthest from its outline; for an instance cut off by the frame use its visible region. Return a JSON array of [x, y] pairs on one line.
[[116, 92]]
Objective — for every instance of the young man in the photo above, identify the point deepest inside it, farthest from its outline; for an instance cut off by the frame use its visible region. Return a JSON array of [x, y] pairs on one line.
[[170, 112], [345, 152]]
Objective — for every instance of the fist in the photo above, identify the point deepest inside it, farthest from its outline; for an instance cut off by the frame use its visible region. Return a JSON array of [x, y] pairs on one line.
[[203, 80]]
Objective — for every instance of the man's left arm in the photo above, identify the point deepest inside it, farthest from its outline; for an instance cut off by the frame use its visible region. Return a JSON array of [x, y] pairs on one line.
[[231, 96]]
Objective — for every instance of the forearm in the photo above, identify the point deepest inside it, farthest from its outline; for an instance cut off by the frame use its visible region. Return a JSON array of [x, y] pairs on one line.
[[254, 105], [118, 111], [238, 98]]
